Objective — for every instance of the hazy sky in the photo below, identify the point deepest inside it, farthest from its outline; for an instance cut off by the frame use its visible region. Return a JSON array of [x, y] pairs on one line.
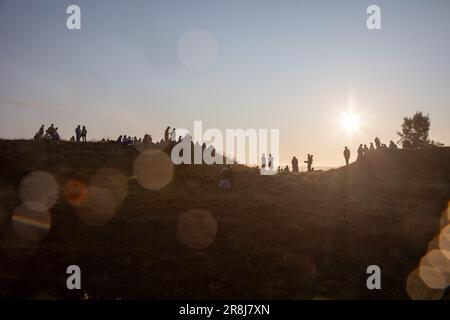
[[292, 65]]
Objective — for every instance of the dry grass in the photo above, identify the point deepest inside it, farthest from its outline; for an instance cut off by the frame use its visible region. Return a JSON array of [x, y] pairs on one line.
[[290, 236]]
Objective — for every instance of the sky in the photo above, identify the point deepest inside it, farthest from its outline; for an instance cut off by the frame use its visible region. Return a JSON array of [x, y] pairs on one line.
[[136, 67]]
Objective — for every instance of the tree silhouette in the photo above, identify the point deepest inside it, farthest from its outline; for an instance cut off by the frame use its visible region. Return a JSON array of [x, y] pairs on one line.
[[415, 130]]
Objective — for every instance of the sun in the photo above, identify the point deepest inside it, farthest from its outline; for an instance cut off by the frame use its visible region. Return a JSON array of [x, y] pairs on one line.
[[350, 122]]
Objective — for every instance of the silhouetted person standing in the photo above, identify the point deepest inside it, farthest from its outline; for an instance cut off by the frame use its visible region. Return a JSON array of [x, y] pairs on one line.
[[56, 135], [377, 143], [346, 155], [50, 131], [167, 134], [263, 161], [270, 161], [360, 153], [83, 134], [78, 133], [366, 150], [294, 163], [309, 162], [371, 148]]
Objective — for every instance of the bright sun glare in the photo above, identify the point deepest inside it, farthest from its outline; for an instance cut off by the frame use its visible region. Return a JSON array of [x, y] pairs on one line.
[[350, 122]]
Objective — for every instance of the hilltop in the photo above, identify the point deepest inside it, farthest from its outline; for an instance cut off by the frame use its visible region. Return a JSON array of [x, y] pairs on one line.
[[288, 236]]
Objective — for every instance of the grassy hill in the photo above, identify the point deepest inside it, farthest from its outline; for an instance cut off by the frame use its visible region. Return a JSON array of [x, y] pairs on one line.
[[289, 236]]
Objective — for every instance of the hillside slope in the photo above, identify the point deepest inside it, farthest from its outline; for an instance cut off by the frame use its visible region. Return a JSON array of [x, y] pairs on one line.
[[289, 236]]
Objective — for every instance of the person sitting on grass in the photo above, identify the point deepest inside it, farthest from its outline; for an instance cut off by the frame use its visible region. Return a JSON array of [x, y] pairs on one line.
[[40, 134], [226, 178], [126, 140]]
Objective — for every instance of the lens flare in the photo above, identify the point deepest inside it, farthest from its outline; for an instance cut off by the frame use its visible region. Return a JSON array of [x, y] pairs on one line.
[[445, 218], [30, 225], [444, 241], [350, 122], [437, 259], [75, 192], [153, 169], [432, 277], [39, 191], [113, 181], [198, 49], [434, 269], [418, 290], [98, 208], [433, 244], [446, 212], [197, 229]]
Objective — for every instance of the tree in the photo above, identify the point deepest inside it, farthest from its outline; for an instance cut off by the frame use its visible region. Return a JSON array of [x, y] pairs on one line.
[[415, 130]]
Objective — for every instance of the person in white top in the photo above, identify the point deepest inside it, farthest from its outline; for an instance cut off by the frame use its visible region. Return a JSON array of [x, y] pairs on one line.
[[173, 135], [270, 161], [263, 161]]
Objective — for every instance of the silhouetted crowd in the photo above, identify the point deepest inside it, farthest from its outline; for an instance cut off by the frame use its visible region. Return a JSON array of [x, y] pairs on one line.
[[294, 163], [51, 134], [170, 137], [363, 150], [80, 134]]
